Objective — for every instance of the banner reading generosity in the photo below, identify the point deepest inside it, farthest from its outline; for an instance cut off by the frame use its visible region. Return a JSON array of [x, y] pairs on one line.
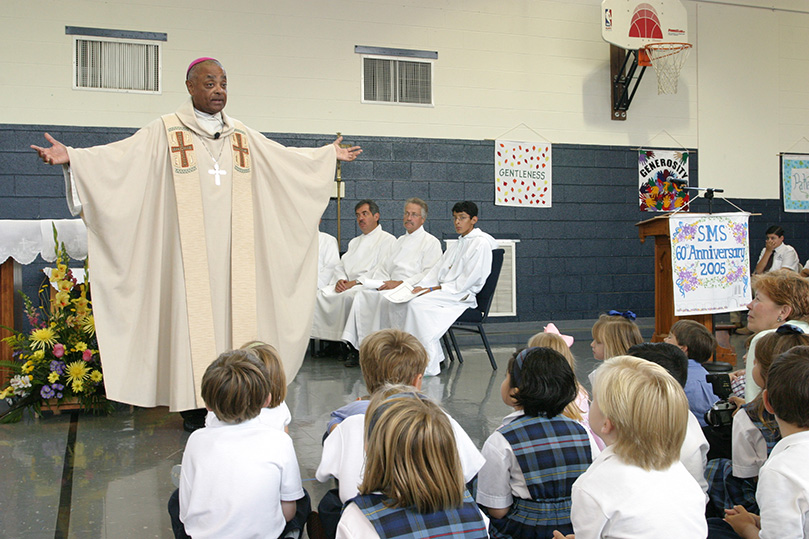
[[522, 174], [710, 262], [662, 174]]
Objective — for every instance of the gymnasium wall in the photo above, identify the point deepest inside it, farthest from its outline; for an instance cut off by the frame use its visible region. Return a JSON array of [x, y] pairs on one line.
[[539, 66]]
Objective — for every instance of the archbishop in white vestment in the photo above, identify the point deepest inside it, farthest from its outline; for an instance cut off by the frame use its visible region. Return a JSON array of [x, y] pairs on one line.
[[332, 307], [410, 258], [185, 270], [461, 274]]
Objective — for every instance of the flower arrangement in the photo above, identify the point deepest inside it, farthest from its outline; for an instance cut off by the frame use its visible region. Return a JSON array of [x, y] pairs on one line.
[[58, 357]]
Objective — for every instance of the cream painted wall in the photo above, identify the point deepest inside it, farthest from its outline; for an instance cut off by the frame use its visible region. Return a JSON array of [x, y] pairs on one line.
[[542, 63], [292, 67]]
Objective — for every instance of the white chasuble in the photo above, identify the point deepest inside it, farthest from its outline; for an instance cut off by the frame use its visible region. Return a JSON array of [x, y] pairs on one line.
[[331, 307], [409, 260], [184, 269]]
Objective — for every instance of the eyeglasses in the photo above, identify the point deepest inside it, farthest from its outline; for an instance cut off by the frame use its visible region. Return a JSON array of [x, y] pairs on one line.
[[789, 329]]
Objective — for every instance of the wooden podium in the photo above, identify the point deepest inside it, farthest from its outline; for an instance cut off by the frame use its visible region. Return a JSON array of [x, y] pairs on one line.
[[658, 227]]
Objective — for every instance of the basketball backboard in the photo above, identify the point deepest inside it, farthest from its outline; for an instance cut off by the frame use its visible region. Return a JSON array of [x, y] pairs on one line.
[[631, 24]]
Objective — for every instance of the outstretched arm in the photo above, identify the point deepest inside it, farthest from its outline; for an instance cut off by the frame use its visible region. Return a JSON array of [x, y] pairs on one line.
[[55, 155], [345, 154]]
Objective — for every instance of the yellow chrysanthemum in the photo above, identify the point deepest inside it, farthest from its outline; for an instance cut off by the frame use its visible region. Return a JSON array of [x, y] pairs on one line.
[[77, 372], [39, 355], [27, 367], [53, 376], [43, 337], [89, 325], [96, 376], [80, 347], [78, 386]]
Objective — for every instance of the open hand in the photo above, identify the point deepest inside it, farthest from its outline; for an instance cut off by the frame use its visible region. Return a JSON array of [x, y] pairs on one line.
[[55, 155], [346, 154]]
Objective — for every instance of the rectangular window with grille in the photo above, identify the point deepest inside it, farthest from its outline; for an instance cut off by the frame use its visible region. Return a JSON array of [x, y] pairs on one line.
[[116, 65], [397, 75]]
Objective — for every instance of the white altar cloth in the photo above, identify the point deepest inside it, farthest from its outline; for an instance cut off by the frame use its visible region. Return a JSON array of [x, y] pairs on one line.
[[23, 240]]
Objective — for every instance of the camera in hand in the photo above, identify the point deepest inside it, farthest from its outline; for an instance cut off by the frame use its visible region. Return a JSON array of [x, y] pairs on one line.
[[721, 413]]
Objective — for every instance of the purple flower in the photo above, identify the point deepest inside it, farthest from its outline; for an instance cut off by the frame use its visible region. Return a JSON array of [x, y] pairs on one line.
[[58, 367], [47, 392], [58, 389]]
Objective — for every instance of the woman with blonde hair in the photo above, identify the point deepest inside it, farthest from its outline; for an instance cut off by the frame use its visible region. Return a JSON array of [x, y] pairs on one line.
[[413, 483]]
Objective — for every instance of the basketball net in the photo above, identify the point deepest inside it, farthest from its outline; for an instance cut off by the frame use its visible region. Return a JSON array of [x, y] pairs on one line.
[[667, 59]]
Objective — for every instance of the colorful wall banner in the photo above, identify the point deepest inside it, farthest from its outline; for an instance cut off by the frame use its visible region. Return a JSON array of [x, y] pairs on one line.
[[658, 174], [710, 262], [522, 174], [795, 180]]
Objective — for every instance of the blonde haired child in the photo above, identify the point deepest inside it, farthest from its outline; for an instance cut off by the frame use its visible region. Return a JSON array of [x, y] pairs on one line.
[[613, 334], [637, 487], [534, 457], [413, 484], [240, 477], [389, 356]]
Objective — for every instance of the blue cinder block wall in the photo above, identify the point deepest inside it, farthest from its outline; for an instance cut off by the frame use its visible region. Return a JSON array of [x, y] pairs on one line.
[[575, 260]]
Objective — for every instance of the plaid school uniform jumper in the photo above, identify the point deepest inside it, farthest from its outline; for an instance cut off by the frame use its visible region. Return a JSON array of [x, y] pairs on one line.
[[552, 454], [465, 521]]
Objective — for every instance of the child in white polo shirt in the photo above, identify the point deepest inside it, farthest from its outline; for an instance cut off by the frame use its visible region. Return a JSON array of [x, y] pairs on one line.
[[240, 476], [637, 487], [782, 492]]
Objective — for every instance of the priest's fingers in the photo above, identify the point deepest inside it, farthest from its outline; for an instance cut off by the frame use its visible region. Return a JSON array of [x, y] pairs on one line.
[[55, 155]]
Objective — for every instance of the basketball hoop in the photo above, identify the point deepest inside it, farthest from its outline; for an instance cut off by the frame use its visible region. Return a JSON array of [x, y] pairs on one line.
[[667, 59]]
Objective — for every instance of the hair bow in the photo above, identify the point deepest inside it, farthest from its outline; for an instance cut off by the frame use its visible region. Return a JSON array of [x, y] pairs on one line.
[[552, 329], [629, 315]]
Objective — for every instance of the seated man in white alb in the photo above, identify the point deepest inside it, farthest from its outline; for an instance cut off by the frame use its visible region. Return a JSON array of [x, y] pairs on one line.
[[328, 257], [333, 301], [451, 287], [411, 257]]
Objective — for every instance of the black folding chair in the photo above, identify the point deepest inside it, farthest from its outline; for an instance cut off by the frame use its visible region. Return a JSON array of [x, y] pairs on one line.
[[472, 320]]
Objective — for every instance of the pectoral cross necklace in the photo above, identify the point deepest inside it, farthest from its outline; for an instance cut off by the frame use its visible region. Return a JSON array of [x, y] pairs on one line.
[[215, 171]]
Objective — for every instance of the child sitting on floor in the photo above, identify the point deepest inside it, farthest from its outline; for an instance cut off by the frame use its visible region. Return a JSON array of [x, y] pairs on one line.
[[240, 477], [534, 457], [783, 486], [755, 431], [699, 345], [387, 356], [413, 484], [637, 487], [694, 451], [276, 413], [551, 338]]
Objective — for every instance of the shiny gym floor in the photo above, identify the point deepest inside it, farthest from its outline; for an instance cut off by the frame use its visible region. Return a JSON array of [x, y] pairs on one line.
[[83, 476]]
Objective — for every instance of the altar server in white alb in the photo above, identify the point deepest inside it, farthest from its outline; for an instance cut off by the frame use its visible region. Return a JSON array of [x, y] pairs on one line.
[[202, 235], [448, 289], [333, 301], [411, 257], [327, 258]]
